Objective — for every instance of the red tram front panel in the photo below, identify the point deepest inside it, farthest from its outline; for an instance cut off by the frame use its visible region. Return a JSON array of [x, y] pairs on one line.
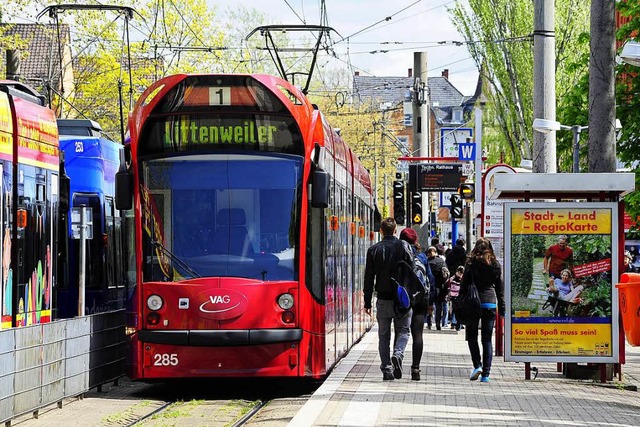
[[218, 327]]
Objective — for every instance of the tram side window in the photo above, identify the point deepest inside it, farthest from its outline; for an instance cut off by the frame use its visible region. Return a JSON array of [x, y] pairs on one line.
[[113, 245], [129, 249]]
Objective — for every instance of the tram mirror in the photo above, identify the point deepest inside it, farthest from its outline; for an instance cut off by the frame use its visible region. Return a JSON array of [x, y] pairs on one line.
[[124, 190], [320, 189], [377, 219]]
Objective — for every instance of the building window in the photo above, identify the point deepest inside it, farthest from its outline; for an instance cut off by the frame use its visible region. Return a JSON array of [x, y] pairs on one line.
[[457, 115]]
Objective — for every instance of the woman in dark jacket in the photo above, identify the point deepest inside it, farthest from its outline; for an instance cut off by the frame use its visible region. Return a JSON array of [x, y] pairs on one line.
[[483, 269], [419, 310]]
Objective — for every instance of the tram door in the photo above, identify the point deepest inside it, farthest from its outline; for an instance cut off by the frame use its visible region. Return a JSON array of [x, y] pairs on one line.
[[5, 257]]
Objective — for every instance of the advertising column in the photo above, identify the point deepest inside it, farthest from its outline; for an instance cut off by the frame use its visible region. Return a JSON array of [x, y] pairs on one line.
[[559, 282]]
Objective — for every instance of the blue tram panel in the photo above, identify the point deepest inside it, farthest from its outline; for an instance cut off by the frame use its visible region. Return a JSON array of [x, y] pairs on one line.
[[91, 162]]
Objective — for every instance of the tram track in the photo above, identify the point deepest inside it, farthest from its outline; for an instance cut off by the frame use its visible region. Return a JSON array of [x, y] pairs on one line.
[[234, 413], [252, 413], [150, 414], [228, 403]]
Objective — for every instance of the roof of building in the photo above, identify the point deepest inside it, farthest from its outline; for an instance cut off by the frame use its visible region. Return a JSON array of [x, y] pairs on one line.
[[442, 94], [396, 89], [37, 66]]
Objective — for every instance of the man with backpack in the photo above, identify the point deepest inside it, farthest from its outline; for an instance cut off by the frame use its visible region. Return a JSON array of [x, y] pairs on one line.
[[381, 262], [424, 304], [441, 274]]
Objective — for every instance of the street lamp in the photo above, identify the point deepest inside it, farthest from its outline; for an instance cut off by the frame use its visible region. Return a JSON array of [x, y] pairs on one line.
[[546, 126], [631, 53]]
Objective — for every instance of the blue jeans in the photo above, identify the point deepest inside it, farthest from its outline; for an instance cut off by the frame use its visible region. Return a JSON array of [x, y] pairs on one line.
[[441, 313], [486, 323], [386, 314]]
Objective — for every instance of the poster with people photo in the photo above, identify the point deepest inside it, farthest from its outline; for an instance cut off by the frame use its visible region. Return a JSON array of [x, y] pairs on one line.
[[560, 265], [631, 256]]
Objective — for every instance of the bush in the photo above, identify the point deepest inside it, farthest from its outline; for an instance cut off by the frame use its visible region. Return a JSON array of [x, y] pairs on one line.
[[521, 265], [519, 303]]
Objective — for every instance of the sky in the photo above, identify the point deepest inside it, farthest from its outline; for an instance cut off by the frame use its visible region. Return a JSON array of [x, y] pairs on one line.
[[400, 27]]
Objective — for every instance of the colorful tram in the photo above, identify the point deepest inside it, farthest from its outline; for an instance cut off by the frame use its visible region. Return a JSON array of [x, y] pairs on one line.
[[91, 162], [29, 198], [252, 220]]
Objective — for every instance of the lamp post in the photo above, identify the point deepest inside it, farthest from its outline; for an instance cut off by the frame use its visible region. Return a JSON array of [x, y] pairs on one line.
[[576, 129], [545, 126], [631, 53]]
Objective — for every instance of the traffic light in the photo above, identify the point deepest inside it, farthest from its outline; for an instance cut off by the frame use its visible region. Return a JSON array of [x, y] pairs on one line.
[[398, 201], [467, 191], [456, 206], [416, 207]]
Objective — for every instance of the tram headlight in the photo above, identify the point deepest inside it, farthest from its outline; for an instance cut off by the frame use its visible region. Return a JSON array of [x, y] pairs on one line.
[[154, 302], [285, 301]]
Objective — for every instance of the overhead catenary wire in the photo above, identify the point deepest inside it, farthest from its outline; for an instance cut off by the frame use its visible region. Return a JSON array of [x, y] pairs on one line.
[[125, 11], [385, 19], [295, 13]]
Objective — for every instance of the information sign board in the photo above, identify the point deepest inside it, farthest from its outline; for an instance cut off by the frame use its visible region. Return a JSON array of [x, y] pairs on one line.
[[436, 176]]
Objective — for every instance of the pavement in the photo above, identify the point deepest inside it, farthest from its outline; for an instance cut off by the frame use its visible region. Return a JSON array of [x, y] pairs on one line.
[[355, 395]]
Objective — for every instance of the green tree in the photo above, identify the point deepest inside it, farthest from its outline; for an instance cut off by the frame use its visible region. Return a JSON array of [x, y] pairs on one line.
[[166, 38], [362, 129], [521, 265], [498, 33]]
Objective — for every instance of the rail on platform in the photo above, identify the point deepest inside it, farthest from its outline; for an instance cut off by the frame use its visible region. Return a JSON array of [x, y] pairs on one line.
[[43, 364]]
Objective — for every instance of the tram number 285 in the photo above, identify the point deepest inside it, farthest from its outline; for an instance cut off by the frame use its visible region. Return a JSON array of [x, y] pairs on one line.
[[165, 359]]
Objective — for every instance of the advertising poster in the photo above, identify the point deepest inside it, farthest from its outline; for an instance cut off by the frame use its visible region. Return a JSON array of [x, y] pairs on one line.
[[559, 282]]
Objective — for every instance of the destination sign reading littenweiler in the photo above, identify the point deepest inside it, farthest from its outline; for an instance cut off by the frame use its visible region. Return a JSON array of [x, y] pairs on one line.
[[436, 176]]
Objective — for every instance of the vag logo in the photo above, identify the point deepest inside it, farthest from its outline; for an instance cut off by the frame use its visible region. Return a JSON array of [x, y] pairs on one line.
[[221, 303], [218, 304], [217, 299]]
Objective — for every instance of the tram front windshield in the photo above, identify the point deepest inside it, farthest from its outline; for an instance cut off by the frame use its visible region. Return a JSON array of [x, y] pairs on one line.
[[220, 215]]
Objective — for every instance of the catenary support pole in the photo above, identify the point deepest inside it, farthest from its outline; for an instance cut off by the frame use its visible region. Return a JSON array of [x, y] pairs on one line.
[[421, 130], [602, 106], [544, 86]]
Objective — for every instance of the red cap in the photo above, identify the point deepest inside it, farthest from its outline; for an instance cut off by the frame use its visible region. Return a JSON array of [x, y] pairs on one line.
[[409, 235]]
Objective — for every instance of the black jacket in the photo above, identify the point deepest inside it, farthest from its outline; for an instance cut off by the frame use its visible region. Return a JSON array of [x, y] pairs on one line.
[[381, 260], [488, 280], [455, 258]]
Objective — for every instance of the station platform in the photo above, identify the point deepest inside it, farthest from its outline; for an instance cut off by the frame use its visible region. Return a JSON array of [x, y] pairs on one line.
[[355, 394]]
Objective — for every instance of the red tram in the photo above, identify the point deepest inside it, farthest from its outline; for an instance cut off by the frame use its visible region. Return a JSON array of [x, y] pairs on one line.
[[252, 218], [29, 199]]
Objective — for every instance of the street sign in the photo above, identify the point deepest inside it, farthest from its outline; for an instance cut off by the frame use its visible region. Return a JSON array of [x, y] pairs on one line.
[[435, 177], [467, 151], [76, 222], [445, 198]]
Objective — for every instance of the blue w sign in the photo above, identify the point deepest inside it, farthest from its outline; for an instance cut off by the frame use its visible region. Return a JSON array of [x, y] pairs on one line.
[[467, 151]]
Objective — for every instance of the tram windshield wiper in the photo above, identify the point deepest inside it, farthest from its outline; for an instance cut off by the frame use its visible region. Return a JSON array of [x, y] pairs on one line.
[[175, 258]]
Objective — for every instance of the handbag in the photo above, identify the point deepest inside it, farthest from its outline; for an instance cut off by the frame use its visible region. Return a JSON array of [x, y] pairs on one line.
[[468, 306]]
